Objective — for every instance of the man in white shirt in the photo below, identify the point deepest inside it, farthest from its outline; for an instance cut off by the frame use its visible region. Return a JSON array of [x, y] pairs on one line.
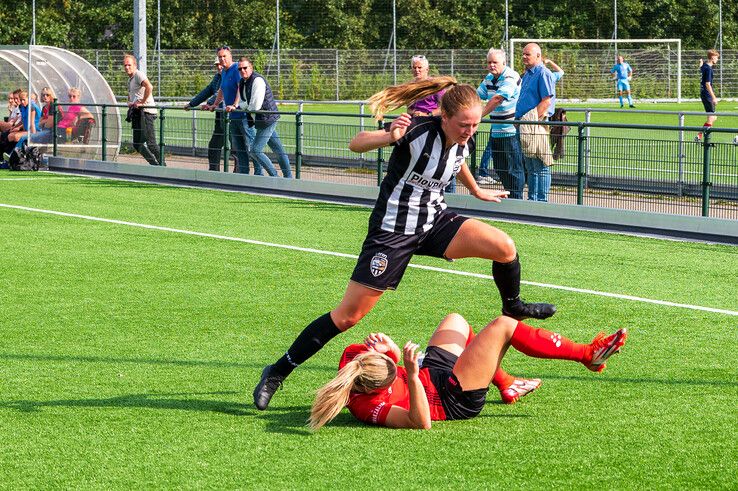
[[141, 118]]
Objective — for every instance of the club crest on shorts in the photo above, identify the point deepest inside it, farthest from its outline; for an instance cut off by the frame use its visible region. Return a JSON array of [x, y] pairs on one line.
[[378, 264]]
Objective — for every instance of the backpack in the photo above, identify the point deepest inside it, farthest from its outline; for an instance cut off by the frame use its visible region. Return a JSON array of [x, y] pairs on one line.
[[26, 158]]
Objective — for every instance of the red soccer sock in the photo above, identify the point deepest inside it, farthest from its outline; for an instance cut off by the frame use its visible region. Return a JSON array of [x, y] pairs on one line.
[[541, 343], [502, 379]]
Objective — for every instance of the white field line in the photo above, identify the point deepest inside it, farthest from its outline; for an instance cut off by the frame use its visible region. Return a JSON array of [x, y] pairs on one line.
[[353, 256], [31, 178]]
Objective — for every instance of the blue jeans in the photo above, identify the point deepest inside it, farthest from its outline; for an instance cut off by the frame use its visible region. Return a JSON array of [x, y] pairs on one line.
[[539, 179], [507, 159], [483, 170], [41, 136], [241, 137], [268, 136]]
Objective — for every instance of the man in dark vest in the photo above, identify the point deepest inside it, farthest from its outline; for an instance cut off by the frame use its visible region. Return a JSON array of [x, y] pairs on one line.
[[256, 95]]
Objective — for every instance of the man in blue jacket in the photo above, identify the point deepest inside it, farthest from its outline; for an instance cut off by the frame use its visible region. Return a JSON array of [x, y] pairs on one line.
[[207, 95]]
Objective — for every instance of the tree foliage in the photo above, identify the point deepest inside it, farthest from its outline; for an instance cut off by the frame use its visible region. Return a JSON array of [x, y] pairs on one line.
[[359, 24]]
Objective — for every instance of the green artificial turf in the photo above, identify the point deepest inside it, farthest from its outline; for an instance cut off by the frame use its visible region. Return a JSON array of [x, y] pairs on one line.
[[128, 355]]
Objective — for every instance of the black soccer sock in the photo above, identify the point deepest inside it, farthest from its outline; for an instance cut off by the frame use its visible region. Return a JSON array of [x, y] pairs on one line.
[[507, 279], [309, 342]]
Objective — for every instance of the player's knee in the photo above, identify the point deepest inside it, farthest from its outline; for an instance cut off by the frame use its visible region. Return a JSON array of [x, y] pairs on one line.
[[455, 319], [508, 251], [347, 321]]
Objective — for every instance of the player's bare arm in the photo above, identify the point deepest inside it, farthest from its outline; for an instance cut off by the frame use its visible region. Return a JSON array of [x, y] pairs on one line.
[[371, 140]]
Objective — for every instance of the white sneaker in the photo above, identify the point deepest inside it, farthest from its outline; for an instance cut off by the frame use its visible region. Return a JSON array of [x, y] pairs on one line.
[[486, 180], [6, 157], [521, 387]]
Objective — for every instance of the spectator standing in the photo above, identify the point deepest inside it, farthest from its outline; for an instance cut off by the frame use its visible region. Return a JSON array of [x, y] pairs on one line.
[[140, 113], [429, 105], [208, 95], [707, 93], [241, 135], [256, 95], [501, 89], [536, 90], [623, 73]]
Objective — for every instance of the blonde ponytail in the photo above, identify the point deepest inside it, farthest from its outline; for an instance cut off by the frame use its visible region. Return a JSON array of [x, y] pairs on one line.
[[366, 372], [404, 94]]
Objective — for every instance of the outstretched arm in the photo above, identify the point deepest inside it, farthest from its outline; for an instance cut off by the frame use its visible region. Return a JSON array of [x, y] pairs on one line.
[[465, 177], [371, 140]]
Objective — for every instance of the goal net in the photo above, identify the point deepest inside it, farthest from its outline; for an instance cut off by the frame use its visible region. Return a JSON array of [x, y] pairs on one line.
[[656, 63]]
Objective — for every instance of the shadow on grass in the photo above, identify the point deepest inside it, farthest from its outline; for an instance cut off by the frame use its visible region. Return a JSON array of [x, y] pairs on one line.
[[178, 401], [155, 361], [597, 379], [109, 183]]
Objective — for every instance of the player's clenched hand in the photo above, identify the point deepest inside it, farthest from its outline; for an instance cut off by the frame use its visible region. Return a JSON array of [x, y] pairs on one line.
[[399, 126], [410, 359], [380, 342]]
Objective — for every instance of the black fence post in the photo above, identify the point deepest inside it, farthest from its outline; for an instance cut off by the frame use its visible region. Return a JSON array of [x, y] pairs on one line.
[[55, 110], [581, 174], [706, 184], [104, 133], [161, 137], [298, 144], [226, 141]]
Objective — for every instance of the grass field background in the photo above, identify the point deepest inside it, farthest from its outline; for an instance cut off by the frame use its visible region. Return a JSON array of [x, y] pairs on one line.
[[129, 354]]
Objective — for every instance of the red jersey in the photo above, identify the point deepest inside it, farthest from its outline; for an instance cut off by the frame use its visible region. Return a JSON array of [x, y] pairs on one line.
[[374, 407]]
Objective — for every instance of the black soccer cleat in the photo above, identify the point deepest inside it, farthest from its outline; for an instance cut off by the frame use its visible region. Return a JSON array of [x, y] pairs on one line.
[[520, 310], [267, 386]]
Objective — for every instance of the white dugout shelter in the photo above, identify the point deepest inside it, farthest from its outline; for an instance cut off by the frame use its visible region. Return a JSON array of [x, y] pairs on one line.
[[61, 69]]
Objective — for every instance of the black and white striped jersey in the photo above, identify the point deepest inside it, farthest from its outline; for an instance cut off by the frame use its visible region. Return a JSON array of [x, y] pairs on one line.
[[418, 171]]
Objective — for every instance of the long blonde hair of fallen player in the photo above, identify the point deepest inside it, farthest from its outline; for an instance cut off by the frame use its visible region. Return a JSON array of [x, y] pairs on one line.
[[365, 373]]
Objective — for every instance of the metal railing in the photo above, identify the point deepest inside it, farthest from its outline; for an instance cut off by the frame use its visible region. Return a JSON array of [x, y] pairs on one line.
[[333, 74], [659, 168]]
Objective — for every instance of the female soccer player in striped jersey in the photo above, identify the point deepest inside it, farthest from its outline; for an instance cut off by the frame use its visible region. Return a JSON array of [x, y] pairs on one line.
[[456, 372], [411, 217]]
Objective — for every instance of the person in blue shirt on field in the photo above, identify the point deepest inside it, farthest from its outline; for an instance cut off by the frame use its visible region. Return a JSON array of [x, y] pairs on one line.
[[707, 92], [501, 89], [207, 96], [538, 87], [623, 73]]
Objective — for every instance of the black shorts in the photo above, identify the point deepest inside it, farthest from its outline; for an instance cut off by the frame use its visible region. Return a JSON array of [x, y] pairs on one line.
[[708, 103], [457, 403], [385, 255]]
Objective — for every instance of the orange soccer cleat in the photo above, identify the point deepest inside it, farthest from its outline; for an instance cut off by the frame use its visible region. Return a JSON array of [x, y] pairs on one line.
[[605, 346]]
